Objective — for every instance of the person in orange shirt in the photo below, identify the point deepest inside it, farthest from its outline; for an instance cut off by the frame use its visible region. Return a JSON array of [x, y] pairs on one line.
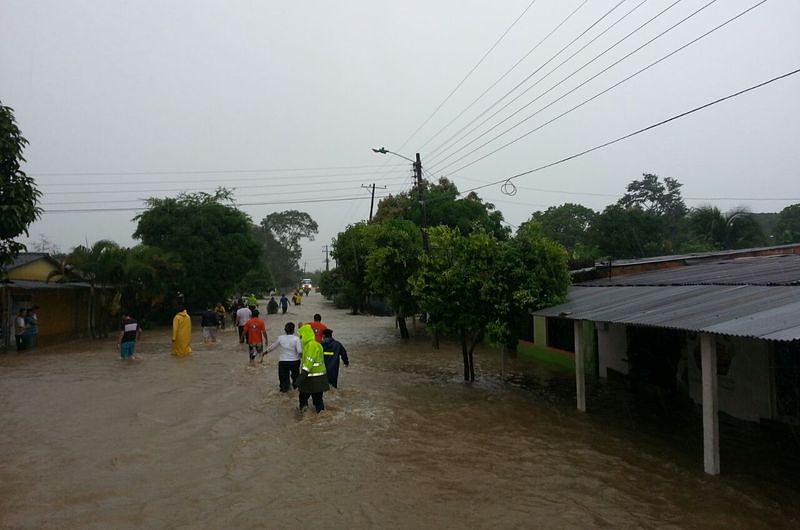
[[318, 327], [255, 332]]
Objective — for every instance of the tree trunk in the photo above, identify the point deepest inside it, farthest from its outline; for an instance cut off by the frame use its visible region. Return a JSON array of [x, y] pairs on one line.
[[401, 321], [465, 354], [476, 338]]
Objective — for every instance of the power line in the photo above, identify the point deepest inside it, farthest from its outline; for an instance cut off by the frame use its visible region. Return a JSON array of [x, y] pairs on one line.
[[307, 201], [548, 74], [140, 199], [514, 66], [293, 178], [617, 195], [199, 171], [485, 55], [615, 85], [192, 188], [580, 85], [637, 132]]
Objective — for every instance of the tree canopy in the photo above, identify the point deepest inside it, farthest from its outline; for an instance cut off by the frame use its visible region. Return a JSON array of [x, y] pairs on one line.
[[211, 236], [787, 229], [19, 197], [444, 207]]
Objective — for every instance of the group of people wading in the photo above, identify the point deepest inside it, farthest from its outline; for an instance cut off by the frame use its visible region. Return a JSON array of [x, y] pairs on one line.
[[308, 360]]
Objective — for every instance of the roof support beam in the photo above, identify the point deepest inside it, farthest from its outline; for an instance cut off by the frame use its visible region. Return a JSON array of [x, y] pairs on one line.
[[580, 367], [708, 353]]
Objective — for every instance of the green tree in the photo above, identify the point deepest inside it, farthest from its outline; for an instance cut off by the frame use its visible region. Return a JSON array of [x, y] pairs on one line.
[[152, 279], [210, 235], [651, 195], [534, 274], [350, 249], [478, 286], [567, 224], [632, 232], [397, 248], [19, 197], [457, 282], [723, 231], [288, 228], [787, 230], [444, 207], [102, 266]]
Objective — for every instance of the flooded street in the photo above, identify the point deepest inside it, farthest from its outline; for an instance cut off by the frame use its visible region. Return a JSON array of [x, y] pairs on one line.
[[208, 441]]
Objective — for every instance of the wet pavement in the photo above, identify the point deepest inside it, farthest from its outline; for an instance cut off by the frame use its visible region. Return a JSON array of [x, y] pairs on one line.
[[88, 441]]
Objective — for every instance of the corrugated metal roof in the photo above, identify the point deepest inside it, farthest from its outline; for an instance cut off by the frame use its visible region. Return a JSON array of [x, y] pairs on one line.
[[27, 257], [757, 311], [788, 248], [32, 284], [761, 270]]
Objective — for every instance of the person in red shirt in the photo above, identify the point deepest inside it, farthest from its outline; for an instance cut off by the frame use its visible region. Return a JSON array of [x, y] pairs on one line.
[[318, 327], [255, 332]]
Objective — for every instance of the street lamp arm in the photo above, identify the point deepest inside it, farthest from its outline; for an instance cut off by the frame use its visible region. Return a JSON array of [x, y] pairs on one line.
[[385, 151]]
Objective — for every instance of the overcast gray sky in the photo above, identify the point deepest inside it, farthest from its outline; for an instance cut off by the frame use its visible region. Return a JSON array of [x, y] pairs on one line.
[[157, 88]]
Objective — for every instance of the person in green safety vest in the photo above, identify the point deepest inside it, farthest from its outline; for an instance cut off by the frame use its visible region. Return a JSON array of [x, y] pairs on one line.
[[313, 379], [251, 300]]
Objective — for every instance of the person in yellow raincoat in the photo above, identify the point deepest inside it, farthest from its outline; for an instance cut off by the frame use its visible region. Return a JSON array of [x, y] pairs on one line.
[[181, 333]]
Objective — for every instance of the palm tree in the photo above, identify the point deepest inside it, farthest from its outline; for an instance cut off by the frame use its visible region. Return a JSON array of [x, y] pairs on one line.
[[723, 231], [101, 266]]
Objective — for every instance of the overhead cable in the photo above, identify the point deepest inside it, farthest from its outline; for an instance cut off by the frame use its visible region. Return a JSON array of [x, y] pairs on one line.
[[635, 133], [580, 85], [581, 104], [457, 136], [463, 80], [282, 203], [197, 171], [514, 66]]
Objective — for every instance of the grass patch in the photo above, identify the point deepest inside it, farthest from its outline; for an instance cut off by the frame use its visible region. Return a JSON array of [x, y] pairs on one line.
[[540, 354]]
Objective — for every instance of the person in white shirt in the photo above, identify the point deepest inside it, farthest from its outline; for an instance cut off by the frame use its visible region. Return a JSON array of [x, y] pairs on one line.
[[290, 350], [19, 329], [242, 316]]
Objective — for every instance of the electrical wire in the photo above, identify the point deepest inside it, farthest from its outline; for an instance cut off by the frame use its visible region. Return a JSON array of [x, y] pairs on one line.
[[292, 178], [513, 67], [485, 55], [140, 199], [192, 188], [437, 152], [306, 201], [637, 132], [579, 105], [580, 85], [198, 171]]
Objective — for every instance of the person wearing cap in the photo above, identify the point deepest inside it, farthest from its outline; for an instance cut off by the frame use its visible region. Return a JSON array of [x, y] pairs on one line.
[[334, 352]]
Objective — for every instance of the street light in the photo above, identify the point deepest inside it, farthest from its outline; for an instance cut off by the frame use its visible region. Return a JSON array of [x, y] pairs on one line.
[[384, 151], [417, 164]]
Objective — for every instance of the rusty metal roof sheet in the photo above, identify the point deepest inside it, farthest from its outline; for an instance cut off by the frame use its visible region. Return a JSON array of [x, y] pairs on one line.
[[761, 270], [769, 312]]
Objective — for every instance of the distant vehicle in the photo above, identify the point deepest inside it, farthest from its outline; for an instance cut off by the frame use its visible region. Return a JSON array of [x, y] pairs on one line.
[[306, 286]]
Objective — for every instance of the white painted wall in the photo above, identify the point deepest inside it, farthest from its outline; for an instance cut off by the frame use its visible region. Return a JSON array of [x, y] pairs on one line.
[[612, 348], [745, 392]]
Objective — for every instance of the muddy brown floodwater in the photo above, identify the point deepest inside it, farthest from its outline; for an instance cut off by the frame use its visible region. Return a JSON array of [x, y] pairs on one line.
[[87, 441]]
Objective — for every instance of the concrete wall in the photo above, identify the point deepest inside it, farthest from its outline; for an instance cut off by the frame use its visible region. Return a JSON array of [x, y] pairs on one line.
[[63, 313], [612, 346], [540, 331], [744, 376]]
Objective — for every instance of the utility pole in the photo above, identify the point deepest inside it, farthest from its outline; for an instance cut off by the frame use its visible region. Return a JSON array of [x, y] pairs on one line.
[[424, 227], [372, 201], [327, 264]]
